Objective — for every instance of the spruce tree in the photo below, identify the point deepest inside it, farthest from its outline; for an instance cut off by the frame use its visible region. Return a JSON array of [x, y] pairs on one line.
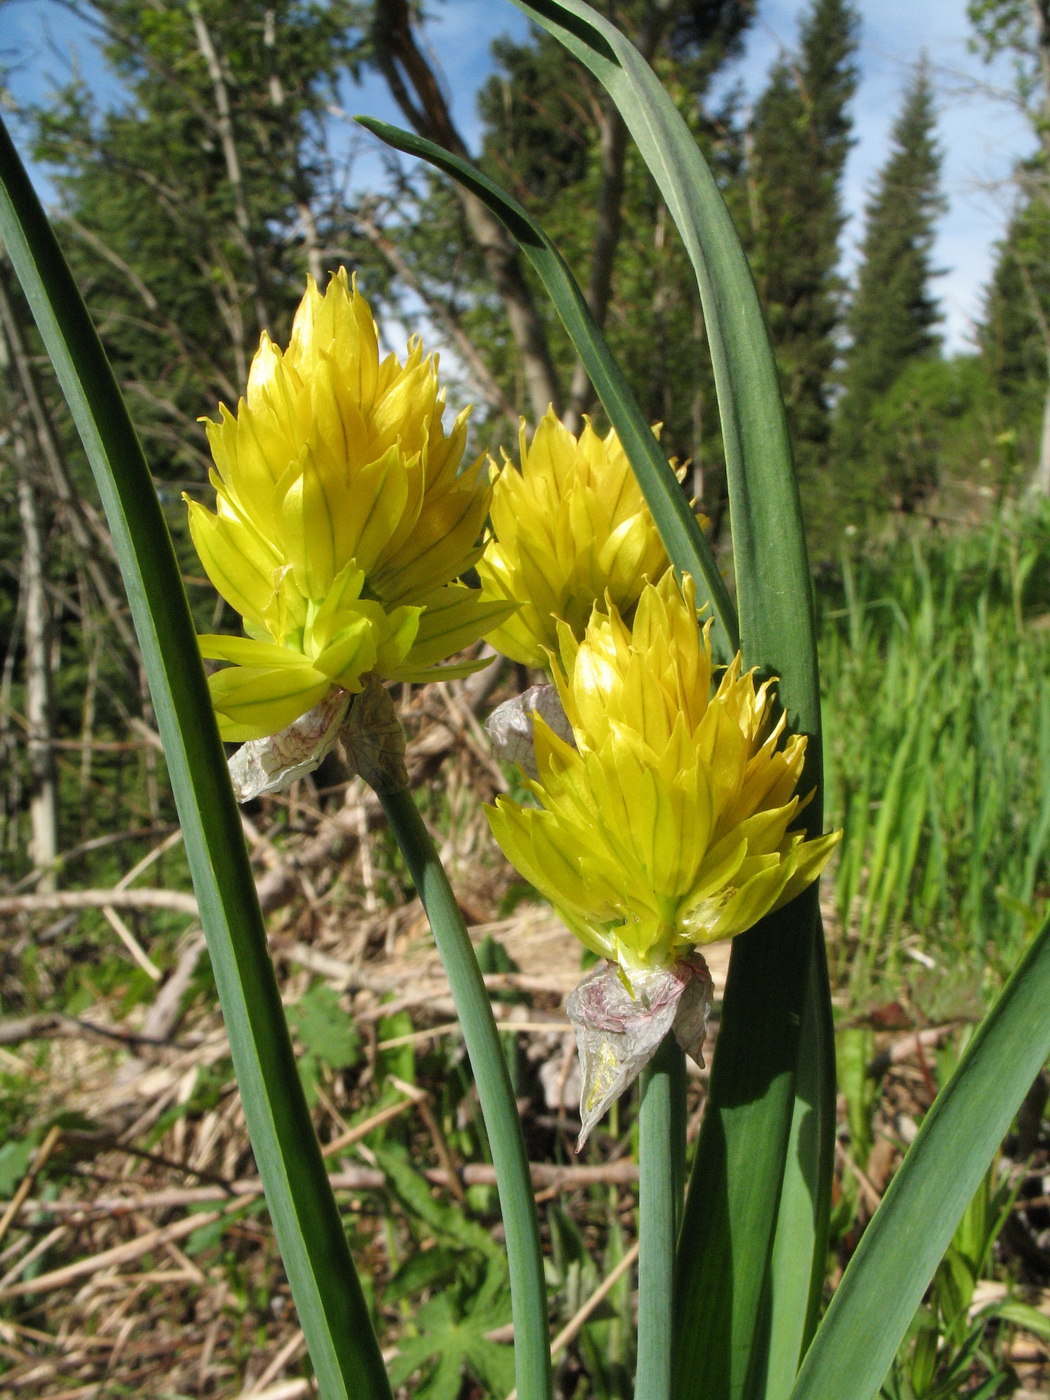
[[1014, 335], [800, 138], [1022, 30], [893, 318]]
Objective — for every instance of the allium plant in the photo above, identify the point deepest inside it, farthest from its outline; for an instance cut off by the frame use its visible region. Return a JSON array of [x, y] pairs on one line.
[[570, 527], [343, 522], [664, 824], [676, 806]]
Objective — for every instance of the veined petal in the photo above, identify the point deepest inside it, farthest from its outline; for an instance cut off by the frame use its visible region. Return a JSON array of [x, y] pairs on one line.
[[665, 800], [308, 515], [243, 575], [349, 655], [252, 702], [448, 671], [453, 618], [245, 652], [808, 859], [375, 508], [524, 835]]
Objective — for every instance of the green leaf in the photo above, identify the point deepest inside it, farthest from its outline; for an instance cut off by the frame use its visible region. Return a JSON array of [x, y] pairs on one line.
[[448, 1219], [14, 1163], [743, 1171], [324, 1028], [1020, 1314], [686, 545], [422, 1270], [310, 1233], [912, 1228], [458, 1341]]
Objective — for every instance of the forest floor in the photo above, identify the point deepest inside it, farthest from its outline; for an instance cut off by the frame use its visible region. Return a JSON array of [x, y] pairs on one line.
[[136, 1256]]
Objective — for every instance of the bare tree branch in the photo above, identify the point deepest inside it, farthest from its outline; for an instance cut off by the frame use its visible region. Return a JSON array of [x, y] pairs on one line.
[[415, 88], [224, 124], [86, 527], [442, 313]]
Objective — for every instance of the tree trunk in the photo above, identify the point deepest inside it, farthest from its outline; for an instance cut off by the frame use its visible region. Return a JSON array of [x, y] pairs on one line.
[[613, 142], [612, 132], [43, 801], [1041, 478], [224, 127], [399, 59], [85, 526]]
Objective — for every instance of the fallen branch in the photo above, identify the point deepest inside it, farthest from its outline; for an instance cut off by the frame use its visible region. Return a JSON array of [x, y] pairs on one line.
[[908, 1046], [178, 900], [110, 1258], [43, 1152], [46, 1025], [544, 1177]]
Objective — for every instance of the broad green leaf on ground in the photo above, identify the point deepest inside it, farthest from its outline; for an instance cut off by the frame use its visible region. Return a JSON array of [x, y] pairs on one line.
[[14, 1162], [443, 1218], [422, 1269], [324, 1028], [453, 1334]]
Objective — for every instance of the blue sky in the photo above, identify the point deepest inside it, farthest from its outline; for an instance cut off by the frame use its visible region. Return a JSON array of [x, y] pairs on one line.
[[981, 135]]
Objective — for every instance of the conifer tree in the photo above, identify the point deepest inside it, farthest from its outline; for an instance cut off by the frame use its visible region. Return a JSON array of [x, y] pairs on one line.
[[192, 207], [1014, 335], [800, 138], [894, 314], [1021, 29]]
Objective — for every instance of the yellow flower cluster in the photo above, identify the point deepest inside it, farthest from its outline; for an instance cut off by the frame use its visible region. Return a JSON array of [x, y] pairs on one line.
[[568, 530], [341, 522], [667, 825]]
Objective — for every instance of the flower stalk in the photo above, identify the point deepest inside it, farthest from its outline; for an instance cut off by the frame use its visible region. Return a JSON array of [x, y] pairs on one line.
[[661, 1158], [495, 1093]]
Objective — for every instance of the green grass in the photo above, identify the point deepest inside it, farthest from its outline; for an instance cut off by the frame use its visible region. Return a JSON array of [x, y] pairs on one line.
[[937, 724]]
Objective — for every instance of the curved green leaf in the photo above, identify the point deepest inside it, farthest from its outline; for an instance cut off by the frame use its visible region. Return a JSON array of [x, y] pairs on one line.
[[909, 1233], [736, 1335], [684, 540], [326, 1290]]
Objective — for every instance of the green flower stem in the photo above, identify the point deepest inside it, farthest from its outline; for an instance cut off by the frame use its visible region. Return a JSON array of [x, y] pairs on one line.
[[528, 1289], [661, 1154]]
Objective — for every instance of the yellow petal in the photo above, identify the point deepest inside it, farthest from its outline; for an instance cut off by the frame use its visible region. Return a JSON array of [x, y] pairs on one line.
[[253, 702]]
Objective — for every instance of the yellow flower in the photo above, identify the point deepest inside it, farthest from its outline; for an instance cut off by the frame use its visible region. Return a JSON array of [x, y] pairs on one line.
[[341, 524], [667, 825], [569, 529]]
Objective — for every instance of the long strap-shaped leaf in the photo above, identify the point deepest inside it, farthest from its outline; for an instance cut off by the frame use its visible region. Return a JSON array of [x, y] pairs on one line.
[[912, 1228], [682, 536], [745, 1244], [326, 1290]]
